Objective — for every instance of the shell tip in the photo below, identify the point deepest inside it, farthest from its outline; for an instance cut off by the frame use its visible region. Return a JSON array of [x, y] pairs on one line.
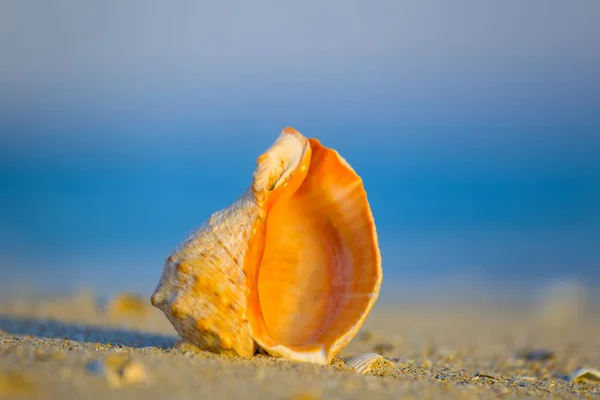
[[289, 131]]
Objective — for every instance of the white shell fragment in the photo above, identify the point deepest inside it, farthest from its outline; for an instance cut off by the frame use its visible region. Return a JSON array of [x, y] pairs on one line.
[[583, 374], [363, 363]]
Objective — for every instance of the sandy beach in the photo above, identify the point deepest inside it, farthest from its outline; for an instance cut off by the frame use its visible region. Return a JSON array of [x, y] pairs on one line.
[[77, 347]]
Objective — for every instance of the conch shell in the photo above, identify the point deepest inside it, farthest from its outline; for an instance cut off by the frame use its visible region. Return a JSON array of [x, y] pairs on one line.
[[293, 267]]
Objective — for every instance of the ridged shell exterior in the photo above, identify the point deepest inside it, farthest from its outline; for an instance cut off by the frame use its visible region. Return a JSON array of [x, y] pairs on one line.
[[362, 363], [202, 290]]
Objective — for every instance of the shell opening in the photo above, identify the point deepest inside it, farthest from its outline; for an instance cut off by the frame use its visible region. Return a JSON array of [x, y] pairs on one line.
[[314, 267]]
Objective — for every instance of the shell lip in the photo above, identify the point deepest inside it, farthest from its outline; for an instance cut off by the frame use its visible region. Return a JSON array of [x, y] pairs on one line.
[[315, 355], [323, 353]]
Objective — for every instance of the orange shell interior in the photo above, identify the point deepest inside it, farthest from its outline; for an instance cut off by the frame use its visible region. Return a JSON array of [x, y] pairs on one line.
[[313, 265]]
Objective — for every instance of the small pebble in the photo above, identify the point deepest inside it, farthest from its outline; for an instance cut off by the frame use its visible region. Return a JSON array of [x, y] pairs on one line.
[[527, 378], [485, 376], [536, 355], [119, 370], [133, 372], [95, 367]]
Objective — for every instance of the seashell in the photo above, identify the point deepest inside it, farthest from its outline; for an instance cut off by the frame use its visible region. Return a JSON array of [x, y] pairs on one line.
[[583, 374], [363, 363], [292, 267]]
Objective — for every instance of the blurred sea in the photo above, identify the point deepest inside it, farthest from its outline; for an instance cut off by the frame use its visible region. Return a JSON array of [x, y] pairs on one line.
[[476, 129], [459, 219]]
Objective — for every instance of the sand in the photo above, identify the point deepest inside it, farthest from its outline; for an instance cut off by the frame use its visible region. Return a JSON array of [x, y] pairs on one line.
[[76, 347]]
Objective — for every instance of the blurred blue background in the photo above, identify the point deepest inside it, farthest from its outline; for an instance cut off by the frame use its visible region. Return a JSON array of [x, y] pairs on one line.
[[475, 126]]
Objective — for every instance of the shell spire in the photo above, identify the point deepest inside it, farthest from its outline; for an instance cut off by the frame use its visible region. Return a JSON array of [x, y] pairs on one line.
[[292, 267]]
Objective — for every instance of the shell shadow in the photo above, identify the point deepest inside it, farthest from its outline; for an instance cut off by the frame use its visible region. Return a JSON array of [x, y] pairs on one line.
[[54, 329]]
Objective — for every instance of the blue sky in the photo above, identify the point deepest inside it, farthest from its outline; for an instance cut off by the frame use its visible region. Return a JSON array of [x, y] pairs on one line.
[[474, 125]]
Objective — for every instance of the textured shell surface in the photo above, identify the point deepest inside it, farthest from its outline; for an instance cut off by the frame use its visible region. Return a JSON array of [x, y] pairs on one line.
[[362, 363], [292, 267], [202, 290]]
